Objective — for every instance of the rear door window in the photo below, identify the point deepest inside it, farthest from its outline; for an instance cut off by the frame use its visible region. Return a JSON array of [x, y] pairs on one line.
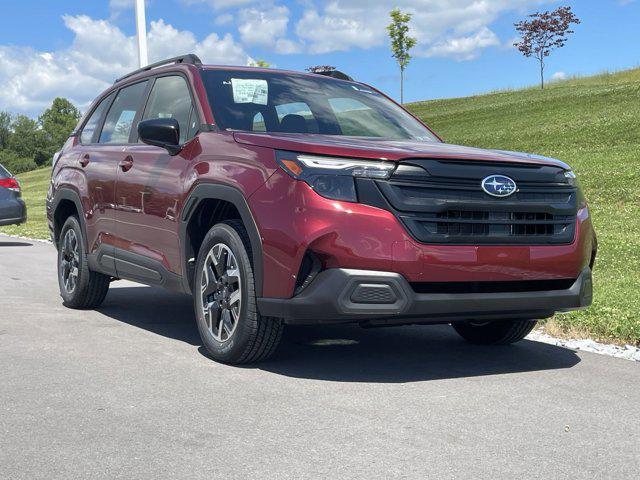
[[170, 98], [89, 130], [121, 117]]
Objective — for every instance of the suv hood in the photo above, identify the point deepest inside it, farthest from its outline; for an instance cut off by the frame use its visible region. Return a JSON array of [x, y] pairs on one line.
[[373, 148]]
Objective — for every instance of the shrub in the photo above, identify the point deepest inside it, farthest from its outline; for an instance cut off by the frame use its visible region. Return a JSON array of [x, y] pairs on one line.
[[15, 164]]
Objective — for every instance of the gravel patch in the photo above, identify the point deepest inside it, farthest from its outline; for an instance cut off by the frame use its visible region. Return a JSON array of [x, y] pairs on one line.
[[628, 352]]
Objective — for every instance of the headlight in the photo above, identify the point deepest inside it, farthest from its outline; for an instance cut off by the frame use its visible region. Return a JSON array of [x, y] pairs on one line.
[[571, 177], [333, 177], [572, 180]]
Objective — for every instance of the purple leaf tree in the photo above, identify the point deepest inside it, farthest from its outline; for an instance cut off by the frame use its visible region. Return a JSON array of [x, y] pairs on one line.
[[543, 33]]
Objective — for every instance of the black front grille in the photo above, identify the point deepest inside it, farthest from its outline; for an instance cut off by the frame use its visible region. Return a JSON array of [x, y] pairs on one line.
[[442, 202], [517, 224]]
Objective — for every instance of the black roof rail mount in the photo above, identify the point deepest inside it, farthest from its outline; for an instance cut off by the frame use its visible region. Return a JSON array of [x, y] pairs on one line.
[[335, 74], [189, 59]]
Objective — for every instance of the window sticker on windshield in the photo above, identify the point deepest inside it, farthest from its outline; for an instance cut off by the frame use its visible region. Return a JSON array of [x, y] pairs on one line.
[[246, 90]]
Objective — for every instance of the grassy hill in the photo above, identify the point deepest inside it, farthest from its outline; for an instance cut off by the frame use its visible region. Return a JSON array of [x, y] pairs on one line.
[[591, 123]]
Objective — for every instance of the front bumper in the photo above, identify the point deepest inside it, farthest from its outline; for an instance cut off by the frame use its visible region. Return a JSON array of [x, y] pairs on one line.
[[383, 298], [293, 219]]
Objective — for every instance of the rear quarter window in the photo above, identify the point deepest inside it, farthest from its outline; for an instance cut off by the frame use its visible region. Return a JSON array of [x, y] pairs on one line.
[[89, 130]]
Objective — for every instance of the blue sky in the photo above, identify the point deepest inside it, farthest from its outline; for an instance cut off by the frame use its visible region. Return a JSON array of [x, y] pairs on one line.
[[76, 48]]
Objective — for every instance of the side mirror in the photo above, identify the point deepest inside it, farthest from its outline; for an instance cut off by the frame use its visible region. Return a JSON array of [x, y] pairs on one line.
[[161, 132]]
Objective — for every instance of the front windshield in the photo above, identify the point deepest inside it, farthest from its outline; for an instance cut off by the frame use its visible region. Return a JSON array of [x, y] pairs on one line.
[[276, 102]]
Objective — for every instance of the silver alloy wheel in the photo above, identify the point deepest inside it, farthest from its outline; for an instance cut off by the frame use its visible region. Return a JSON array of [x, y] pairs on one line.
[[70, 261], [221, 292]]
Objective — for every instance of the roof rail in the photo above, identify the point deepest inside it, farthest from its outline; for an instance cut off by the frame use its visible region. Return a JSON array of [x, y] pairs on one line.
[[335, 74], [189, 59]]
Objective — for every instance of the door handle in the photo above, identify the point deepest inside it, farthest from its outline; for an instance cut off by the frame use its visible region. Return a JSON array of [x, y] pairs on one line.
[[127, 163], [84, 161]]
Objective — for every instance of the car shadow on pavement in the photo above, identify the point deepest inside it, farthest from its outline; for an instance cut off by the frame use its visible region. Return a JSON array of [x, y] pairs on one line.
[[15, 244], [404, 354], [347, 353], [153, 309]]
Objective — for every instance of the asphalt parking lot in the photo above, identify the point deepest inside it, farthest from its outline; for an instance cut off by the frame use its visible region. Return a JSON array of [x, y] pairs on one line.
[[128, 392]]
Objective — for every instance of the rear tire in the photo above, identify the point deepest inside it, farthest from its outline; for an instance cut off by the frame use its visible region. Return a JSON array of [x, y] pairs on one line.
[[495, 333], [80, 288], [231, 328]]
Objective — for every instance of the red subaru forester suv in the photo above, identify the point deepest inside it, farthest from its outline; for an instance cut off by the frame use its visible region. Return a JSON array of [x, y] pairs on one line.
[[280, 198]]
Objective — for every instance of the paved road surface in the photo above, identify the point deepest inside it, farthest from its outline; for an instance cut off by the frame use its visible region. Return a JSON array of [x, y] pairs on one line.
[[128, 392]]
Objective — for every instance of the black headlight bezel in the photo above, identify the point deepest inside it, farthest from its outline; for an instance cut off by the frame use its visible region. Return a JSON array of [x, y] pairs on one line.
[[335, 179]]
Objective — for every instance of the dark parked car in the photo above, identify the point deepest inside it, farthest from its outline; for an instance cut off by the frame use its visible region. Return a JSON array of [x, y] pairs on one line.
[[290, 198], [12, 207]]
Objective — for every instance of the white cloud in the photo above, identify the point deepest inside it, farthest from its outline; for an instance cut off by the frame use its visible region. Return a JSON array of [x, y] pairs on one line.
[[98, 54], [218, 4], [267, 29], [286, 47], [459, 29], [121, 4], [224, 19], [100, 51], [124, 4], [336, 32], [221, 51], [559, 76], [464, 48], [263, 27], [510, 43]]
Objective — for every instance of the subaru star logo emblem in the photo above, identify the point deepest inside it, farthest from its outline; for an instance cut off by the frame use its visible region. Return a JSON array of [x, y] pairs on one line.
[[499, 186]]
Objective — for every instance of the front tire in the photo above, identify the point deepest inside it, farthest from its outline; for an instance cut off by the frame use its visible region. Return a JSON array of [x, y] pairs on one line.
[[231, 328], [495, 333], [80, 288]]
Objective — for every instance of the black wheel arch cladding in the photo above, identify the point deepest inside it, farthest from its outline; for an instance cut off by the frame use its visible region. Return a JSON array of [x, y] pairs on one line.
[[226, 193]]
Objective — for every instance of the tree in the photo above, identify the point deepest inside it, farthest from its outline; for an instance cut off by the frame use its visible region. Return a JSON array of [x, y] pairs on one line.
[[15, 164], [401, 42], [5, 129], [25, 139], [25, 142], [56, 123], [259, 63], [543, 33], [320, 69]]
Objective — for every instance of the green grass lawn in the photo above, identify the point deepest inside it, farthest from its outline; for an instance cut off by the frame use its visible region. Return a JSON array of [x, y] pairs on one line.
[[591, 123], [594, 125]]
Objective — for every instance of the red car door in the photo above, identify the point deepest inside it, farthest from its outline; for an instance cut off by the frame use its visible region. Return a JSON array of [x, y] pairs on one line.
[[96, 162], [150, 189], [100, 160]]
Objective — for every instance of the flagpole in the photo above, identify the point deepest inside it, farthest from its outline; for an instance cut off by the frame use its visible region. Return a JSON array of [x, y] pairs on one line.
[[141, 33]]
